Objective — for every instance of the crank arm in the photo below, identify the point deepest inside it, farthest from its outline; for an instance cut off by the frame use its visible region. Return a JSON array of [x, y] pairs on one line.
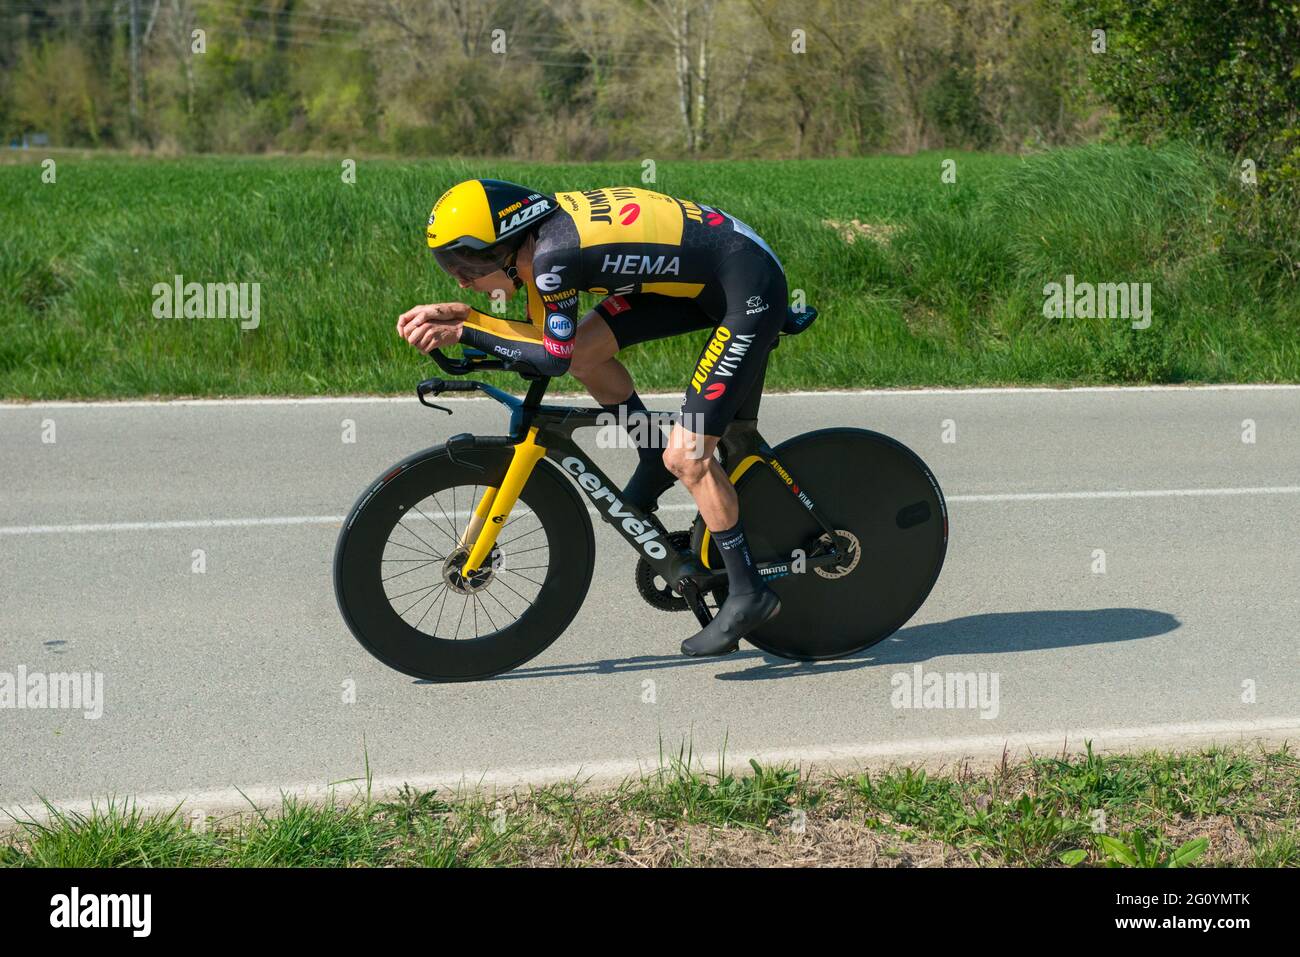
[[695, 601]]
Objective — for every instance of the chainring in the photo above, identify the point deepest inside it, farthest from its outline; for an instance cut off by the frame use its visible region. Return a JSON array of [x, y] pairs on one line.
[[647, 579]]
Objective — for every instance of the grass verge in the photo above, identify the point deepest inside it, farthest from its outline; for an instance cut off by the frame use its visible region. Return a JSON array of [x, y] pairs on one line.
[[1218, 807], [919, 281]]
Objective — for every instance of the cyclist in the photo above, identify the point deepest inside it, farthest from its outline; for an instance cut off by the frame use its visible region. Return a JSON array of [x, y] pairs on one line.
[[664, 266]]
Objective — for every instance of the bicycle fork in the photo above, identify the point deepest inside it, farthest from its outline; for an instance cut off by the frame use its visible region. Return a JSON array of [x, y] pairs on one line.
[[494, 507], [642, 530]]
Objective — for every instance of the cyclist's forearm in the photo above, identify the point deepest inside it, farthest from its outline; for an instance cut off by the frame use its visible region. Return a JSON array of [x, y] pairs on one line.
[[512, 341]]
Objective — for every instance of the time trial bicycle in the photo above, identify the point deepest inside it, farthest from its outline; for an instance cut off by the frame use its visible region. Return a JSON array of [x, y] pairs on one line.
[[467, 559]]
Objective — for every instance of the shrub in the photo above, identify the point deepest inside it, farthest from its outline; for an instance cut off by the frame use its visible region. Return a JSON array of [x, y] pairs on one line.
[[1226, 76]]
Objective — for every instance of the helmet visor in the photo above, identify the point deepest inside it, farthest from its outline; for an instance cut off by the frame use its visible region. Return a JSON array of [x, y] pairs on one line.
[[471, 264]]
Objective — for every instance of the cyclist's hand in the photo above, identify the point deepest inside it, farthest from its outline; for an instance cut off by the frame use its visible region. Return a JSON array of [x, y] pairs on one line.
[[433, 326]]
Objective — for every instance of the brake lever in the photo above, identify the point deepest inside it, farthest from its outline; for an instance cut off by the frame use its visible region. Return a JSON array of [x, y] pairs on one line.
[[435, 405], [431, 386]]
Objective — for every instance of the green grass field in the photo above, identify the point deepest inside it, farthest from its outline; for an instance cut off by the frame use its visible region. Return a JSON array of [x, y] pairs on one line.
[[1227, 808], [942, 283]]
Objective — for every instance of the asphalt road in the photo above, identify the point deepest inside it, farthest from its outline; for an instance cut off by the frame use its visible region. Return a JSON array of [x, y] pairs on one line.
[[243, 675]]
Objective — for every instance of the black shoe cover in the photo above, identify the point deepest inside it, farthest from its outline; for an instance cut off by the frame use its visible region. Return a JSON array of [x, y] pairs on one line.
[[648, 482], [738, 616]]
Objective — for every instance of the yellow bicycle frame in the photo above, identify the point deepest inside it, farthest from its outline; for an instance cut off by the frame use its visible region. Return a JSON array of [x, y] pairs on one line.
[[494, 507]]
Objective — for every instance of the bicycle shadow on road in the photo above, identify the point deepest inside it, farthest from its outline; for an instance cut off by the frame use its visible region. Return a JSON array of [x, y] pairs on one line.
[[988, 634], [992, 633]]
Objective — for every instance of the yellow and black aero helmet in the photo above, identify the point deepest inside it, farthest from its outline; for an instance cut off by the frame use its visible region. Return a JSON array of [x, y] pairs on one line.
[[477, 226]]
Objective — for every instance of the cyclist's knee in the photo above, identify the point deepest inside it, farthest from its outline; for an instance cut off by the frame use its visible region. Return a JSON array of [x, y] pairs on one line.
[[587, 363], [688, 463], [582, 365]]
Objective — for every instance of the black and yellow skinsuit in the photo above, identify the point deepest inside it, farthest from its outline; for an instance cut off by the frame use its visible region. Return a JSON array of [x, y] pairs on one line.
[[665, 266]]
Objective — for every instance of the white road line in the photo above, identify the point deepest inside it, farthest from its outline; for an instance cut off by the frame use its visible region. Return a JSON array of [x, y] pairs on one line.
[[12, 406], [170, 526], [1142, 493], [834, 757], [684, 507], [217, 523]]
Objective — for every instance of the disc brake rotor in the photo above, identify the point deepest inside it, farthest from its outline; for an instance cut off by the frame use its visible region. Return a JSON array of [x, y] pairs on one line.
[[849, 547], [468, 585]]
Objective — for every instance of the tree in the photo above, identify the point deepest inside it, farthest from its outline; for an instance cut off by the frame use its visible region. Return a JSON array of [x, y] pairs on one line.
[[1225, 75]]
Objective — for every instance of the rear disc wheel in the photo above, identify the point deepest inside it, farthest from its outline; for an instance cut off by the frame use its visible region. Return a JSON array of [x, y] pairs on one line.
[[891, 526]]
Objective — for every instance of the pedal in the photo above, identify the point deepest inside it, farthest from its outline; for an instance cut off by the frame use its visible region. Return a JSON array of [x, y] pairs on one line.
[[695, 601]]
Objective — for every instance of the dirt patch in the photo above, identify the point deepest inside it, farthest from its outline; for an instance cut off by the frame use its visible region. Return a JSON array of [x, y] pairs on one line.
[[855, 229], [829, 843], [819, 839], [1227, 845]]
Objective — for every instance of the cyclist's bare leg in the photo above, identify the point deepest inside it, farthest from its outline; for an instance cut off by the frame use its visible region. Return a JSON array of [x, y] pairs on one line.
[[594, 365], [690, 458], [749, 601]]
